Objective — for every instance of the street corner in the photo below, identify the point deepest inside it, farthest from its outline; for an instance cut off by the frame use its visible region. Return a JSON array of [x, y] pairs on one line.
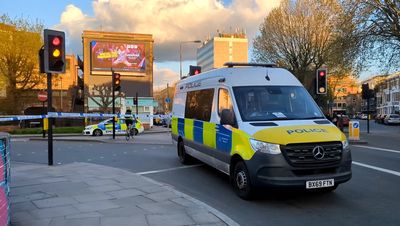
[[85, 193]]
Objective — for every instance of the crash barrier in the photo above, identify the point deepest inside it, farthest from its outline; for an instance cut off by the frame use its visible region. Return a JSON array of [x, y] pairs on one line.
[[4, 179], [75, 115]]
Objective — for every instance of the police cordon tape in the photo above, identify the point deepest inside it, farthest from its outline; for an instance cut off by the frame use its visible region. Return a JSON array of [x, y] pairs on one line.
[[7, 118]]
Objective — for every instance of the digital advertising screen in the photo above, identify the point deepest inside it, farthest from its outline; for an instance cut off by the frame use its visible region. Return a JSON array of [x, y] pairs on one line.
[[124, 57]]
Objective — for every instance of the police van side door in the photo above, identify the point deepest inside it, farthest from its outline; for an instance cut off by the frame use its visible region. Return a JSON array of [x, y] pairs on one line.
[[223, 132]]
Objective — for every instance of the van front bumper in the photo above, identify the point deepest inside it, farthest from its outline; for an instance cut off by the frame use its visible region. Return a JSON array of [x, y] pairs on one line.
[[268, 170]]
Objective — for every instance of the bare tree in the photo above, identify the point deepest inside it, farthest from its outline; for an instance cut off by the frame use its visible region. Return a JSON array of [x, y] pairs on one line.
[[304, 35], [20, 41], [101, 95], [379, 24]]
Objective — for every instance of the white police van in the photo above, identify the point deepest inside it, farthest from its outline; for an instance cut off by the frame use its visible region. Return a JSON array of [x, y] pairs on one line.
[[259, 125]]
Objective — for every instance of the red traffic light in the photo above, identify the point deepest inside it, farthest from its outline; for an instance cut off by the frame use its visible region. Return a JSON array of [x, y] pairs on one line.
[[56, 41], [321, 73], [196, 72]]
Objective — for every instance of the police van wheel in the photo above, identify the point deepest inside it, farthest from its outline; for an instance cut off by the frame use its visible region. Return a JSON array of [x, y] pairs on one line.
[[241, 181], [97, 132], [183, 157], [136, 132]]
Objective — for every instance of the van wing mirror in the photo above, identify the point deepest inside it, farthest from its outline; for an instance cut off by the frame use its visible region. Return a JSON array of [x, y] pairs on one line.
[[228, 118]]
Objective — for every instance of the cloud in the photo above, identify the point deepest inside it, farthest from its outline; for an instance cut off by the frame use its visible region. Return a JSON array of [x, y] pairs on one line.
[[162, 76], [169, 21]]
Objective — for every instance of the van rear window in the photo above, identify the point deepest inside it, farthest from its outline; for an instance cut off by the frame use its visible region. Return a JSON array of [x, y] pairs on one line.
[[199, 104]]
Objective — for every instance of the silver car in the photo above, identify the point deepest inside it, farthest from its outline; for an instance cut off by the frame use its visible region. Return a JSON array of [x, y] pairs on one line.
[[392, 119]]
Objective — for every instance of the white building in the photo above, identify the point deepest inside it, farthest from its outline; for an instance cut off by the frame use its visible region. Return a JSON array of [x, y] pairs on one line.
[[388, 95]]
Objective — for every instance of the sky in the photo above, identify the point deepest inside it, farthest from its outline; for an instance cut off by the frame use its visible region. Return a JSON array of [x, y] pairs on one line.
[[170, 22]]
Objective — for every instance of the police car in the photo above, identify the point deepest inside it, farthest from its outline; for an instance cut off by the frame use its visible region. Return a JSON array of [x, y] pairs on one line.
[[259, 125], [105, 127]]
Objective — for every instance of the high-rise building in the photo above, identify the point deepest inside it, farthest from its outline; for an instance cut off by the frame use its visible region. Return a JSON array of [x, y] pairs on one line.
[[232, 47]]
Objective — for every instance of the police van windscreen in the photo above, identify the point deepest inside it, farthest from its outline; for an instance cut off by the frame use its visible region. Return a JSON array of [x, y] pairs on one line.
[[266, 103]]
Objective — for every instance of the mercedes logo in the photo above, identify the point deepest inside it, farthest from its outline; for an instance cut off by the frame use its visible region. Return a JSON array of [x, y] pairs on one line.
[[318, 152]]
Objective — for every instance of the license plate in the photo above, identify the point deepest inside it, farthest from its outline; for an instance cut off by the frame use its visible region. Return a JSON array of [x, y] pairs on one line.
[[320, 183]]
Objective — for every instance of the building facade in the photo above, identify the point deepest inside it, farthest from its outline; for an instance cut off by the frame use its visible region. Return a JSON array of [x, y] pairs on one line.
[[128, 54], [373, 84], [346, 95], [221, 49], [387, 93]]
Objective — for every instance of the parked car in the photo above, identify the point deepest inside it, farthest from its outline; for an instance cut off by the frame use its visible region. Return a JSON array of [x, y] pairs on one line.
[[392, 119], [377, 117], [346, 120], [381, 118], [364, 116]]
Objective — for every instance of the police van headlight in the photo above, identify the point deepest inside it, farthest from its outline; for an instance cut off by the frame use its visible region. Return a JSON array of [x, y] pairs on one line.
[[88, 127], [345, 144], [265, 147]]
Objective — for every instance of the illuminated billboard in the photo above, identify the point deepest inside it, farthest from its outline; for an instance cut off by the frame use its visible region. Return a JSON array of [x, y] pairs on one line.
[[125, 57]]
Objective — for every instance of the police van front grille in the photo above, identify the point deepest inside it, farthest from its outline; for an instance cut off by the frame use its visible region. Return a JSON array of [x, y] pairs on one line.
[[302, 154]]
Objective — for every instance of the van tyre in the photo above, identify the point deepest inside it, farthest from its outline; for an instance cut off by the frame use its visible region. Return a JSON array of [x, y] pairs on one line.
[[240, 179], [184, 158], [97, 132], [136, 132]]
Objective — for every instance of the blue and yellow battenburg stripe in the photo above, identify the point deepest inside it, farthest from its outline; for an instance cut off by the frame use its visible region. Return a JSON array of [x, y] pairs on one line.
[[236, 141], [230, 141]]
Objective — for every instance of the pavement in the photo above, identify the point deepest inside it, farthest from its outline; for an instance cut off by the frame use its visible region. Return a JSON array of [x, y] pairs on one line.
[[89, 194]]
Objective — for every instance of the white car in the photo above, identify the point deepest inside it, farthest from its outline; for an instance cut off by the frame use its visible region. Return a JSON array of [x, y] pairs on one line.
[[392, 119]]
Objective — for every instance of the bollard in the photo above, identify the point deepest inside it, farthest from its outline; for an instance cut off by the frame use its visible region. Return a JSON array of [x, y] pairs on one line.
[[354, 130]]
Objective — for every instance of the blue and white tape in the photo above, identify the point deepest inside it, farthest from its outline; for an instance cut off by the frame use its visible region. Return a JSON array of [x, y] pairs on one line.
[[8, 118]]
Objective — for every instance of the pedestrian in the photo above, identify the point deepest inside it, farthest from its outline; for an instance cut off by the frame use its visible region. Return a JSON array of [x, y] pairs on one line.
[[340, 123], [334, 119]]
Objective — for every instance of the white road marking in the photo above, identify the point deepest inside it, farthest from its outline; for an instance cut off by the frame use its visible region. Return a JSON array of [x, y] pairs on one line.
[[166, 170], [376, 148], [377, 168]]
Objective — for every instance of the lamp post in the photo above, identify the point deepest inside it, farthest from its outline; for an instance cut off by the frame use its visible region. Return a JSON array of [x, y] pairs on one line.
[[180, 54]]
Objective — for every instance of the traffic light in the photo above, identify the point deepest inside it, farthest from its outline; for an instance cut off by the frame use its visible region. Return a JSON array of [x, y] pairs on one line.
[[194, 70], [116, 81], [366, 92], [135, 101], [321, 81], [54, 51]]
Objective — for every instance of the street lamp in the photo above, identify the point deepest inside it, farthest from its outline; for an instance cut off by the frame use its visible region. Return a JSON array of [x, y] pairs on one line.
[[180, 54]]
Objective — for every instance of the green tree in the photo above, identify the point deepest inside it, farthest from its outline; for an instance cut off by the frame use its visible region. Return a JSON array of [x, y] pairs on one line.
[[20, 41], [304, 35]]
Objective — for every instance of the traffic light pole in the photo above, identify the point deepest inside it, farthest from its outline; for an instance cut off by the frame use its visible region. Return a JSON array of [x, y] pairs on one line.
[[50, 129], [113, 103], [137, 104], [368, 115]]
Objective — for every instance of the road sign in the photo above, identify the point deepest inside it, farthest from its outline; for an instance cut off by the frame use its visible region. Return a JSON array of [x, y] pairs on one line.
[[354, 130], [167, 100], [42, 96]]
